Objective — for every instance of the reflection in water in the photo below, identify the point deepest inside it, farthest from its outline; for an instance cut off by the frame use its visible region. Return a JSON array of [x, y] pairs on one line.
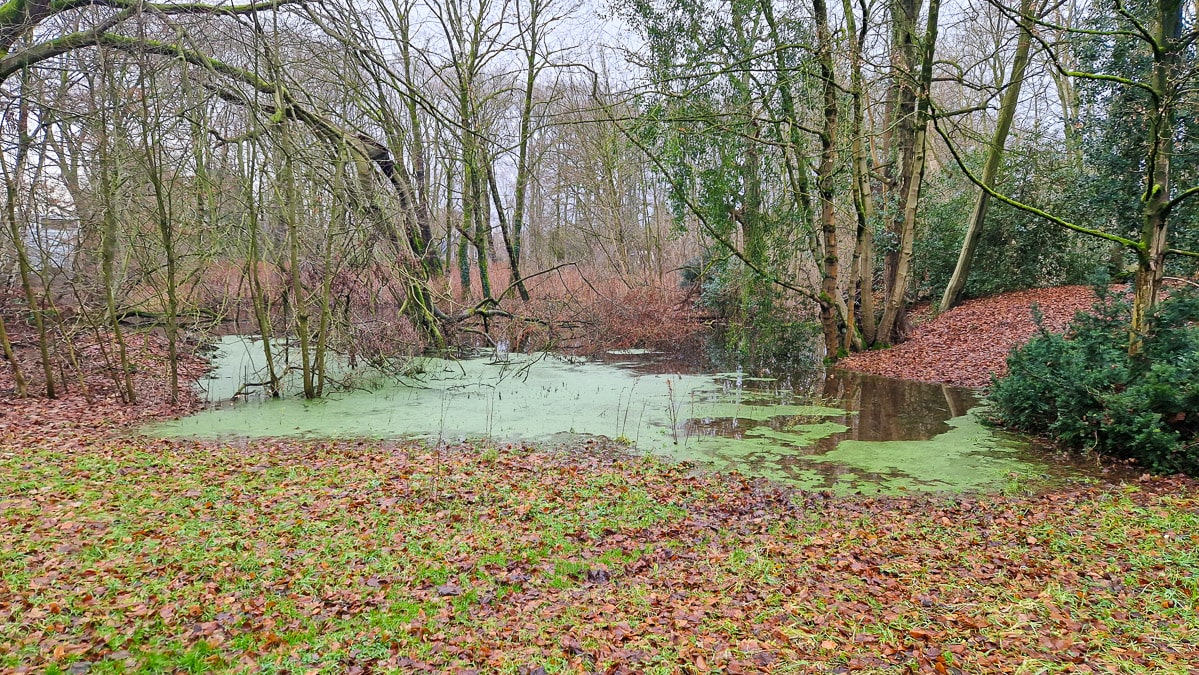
[[896, 410], [875, 409], [844, 431]]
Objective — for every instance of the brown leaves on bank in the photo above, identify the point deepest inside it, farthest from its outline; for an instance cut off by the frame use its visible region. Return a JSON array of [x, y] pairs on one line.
[[969, 343], [87, 400]]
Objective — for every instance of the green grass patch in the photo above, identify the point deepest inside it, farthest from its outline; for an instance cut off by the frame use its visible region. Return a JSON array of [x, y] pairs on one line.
[[311, 557]]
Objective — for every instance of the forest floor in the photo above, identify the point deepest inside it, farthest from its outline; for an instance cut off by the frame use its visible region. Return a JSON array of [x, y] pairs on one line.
[[138, 555], [121, 553], [970, 343]]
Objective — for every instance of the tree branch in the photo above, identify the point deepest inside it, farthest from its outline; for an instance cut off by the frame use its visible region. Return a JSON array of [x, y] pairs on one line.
[[1189, 192], [58, 46], [1027, 208], [176, 8]]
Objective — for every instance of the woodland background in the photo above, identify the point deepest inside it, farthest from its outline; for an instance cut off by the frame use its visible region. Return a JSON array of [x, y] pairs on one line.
[[368, 179]]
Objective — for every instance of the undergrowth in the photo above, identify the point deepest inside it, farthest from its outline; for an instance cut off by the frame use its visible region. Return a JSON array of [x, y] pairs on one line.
[[1085, 391]]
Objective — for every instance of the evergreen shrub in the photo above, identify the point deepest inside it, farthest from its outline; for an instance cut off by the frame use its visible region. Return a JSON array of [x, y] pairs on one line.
[[1084, 391]]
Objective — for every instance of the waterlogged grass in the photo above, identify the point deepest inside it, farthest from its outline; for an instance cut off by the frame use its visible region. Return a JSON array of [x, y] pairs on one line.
[[152, 556]]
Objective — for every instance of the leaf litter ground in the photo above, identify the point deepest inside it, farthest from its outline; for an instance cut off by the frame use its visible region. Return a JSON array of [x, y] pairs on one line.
[[132, 555], [969, 343]]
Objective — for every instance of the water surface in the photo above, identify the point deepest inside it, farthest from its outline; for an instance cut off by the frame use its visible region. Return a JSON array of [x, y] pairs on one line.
[[844, 432]]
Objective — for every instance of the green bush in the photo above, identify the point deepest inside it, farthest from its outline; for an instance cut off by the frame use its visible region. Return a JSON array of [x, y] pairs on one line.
[[1084, 391], [1016, 250]]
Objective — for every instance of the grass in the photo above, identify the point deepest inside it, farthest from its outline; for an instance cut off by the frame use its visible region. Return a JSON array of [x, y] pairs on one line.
[[153, 556]]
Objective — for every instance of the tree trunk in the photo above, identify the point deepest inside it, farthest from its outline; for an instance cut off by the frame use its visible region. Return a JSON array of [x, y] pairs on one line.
[[511, 243], [831, 318], [862, 267], [166, 231], [1007, 113], [299, 300], [24, 267], [899, 138], [795, 161], [108, 255], [523, 171], [22, 389], [482, 237], [912, 175], [1156, 200], [429, 255], [259, 299]]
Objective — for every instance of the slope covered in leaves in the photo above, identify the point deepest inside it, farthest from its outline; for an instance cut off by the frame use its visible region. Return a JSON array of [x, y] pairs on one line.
[[87, 399], [138, 555], [969, 343]]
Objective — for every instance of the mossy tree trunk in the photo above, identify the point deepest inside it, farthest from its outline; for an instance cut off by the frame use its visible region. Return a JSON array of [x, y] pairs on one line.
[[833, 312], [1168, 89], [911, 109], [862, 268]]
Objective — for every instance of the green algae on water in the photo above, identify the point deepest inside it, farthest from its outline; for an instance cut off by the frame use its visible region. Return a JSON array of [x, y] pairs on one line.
[[800, 435], [905, 436], [760, 412], [525, 397], [968, 457], [762, 451]]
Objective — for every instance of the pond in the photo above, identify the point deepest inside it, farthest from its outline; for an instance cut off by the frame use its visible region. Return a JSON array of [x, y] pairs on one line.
[[845, 432]]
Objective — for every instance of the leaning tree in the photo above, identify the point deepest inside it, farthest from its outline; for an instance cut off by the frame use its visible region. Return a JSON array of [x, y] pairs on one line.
[[1149, 77]]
